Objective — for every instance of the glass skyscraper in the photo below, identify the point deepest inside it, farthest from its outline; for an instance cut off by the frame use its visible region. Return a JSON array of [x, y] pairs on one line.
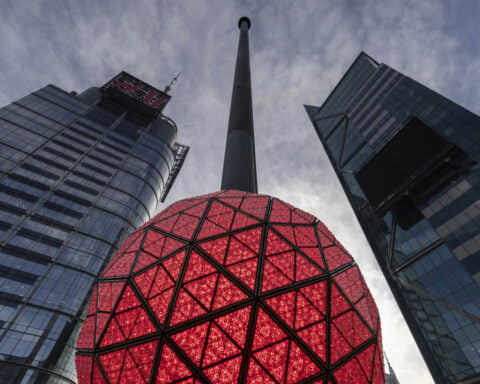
[[78, 174], [407, 159]]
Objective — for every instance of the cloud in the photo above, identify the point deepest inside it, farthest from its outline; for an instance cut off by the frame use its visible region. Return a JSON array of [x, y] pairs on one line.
[[299, 51]]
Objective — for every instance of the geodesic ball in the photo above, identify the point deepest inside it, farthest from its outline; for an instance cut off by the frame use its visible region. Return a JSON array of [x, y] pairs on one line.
[[231, 287]]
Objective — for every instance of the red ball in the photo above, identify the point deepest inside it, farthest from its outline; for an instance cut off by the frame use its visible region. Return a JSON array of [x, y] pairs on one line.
[[231, 287]]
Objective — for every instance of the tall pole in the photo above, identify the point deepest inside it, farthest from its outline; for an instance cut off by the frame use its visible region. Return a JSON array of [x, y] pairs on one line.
[[239, 167]]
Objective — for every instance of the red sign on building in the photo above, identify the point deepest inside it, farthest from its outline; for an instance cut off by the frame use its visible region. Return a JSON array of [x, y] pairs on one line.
[[126, 87]]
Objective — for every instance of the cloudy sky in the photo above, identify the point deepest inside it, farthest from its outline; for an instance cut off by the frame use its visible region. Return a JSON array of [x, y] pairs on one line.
[[299, 51]]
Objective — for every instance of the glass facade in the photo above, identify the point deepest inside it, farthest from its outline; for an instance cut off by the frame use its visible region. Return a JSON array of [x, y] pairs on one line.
[[408, 159], [75, 180]]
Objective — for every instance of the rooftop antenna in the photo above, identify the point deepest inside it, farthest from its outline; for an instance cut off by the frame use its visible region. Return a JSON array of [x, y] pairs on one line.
[[169, 86], [239, 167]]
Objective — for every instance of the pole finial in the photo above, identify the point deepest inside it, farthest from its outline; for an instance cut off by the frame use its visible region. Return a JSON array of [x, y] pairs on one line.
[[246, 20]]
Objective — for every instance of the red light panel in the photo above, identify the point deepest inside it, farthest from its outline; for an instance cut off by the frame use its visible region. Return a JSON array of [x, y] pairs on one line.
[[232, 287]]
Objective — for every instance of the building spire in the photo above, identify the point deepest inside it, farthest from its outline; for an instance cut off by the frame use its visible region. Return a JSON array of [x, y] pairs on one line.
[[239, 167], [169, 86], [391, 378]]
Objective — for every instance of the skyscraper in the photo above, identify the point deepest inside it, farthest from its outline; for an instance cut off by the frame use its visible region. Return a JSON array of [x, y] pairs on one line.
[[232, 287], [407, 159], [78, 174]]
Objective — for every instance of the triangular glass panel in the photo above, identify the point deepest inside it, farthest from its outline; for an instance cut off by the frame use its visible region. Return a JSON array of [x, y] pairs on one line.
[[304, 268], [316, 338], [314, 254], [143, 356], [338, 302], [97, 375], [145, 280], [131, 370], [160, 304], [128, 300], [237, 252], [171, 368], [192, 341], [339, 346], [174, 264], [102, 319], [275, 244], [225, 372], [84, 368], [180, 206], [235, 325], [121, 266], [300, 366], [361, 333], [305, 237], [267, 331], [305, 312], [241, 220], [185, 226], [203, 289], [197, 210], [216, 248], [287, 232], [336, 258], [350, 282], [227, 293], [224, 221], [135, 323], [233, 193], [273, 277], [378, 368], [257, 374], [219, 210], [86, 337], [274, 359], [280, 213], [161, 283], [362, 308], [366, 359], [210, 229], [285, 263], [112, 364], [232, 201], [167, 224], [352, 328], [219, 347], [317, 295], [144, 260], [351, 372], [186, 308], [255, 206], [113, 334], [284, 306], [197, 267], [325, 236], [156, 246], [92, 305], [246, 271], [303, 217], [154, 243], [250, 238]]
